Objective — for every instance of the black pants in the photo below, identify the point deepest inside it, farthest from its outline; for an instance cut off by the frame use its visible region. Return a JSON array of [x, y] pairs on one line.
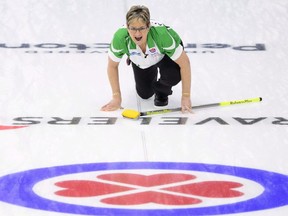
[[146, 79]]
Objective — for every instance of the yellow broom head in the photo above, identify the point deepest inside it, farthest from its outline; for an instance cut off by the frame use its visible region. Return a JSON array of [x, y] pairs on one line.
[[132, 114]]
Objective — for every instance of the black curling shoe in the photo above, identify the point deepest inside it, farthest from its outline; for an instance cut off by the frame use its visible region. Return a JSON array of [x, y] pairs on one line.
[[160, 101]]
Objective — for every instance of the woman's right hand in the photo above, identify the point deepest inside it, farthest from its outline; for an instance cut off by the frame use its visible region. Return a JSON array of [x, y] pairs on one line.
[[113, 105]]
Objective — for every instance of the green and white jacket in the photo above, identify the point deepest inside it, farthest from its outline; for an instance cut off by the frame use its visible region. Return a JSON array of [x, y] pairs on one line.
[[161, 40]]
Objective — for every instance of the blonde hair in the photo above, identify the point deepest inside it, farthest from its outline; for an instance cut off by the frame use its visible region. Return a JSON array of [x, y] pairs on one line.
[[138, 12]]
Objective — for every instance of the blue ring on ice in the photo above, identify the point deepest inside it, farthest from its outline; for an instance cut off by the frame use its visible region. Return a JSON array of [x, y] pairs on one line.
[[17, 189]]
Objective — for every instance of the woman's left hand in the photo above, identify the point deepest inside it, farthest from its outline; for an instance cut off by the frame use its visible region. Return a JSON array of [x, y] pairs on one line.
[[186, 104]]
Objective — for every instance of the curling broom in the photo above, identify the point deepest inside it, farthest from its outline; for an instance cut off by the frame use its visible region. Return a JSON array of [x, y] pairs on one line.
[[134, 114]]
